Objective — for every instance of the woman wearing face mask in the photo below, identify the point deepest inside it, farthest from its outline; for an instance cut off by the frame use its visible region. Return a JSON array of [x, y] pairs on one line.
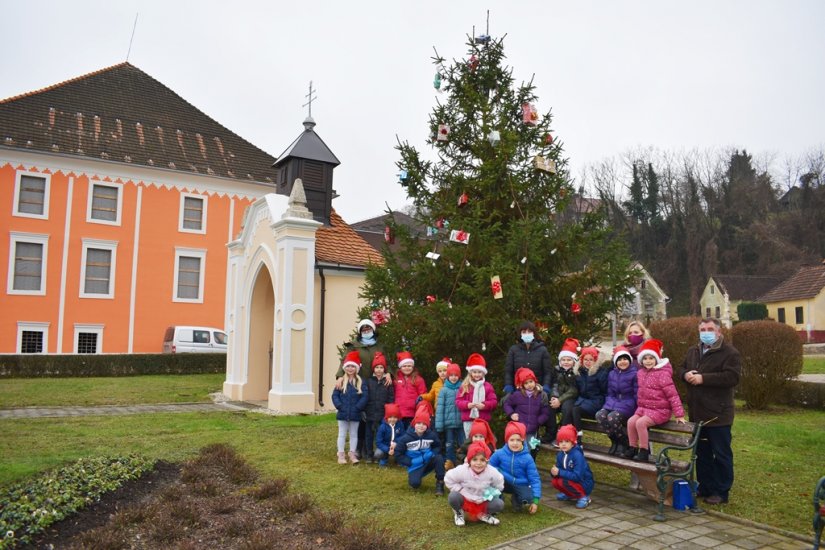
[[635, 335], [529, 352]]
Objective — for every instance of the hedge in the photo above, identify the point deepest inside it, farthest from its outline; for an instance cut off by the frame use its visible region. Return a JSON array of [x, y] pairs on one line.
[[43, 366], [752, 311]]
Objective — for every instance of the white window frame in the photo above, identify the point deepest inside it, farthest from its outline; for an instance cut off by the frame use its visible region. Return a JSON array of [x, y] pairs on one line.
[[204, 200], [18, 185], [195, 253], [94, 328], [35, 238], [105, 245], [119, 187], [33, 326]]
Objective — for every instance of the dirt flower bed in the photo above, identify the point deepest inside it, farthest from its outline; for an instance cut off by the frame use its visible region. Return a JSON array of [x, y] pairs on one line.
[[215, 500]]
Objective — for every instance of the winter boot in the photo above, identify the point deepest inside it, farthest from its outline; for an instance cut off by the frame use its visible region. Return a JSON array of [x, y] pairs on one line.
[[439, 488], [622, 445], [630, 452], [614, 445], [642, 455], [353, 457], [342, 458]]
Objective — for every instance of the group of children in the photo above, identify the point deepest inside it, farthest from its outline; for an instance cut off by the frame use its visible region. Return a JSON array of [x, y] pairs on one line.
[[447, 431]]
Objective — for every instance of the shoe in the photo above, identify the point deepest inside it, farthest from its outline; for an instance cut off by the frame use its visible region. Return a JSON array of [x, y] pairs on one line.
[[630, 452], [342, 458], [448, 465], [459, 517], [582, 502], [353, 457], [562, 496], [382, 463], [488, 519], [641, 456], [439, 488], [614, 446], [715, 499]]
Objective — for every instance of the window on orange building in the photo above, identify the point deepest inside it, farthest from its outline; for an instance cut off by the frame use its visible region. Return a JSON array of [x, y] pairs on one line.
[[98, 269], [88, 338], [192, 214], [189, 275], [31, 195], [104, 204], [32, 337], [27, 263]]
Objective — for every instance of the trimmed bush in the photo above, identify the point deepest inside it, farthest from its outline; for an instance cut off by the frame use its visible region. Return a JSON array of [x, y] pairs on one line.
[[751, 311], [771, 358], [44, 366]]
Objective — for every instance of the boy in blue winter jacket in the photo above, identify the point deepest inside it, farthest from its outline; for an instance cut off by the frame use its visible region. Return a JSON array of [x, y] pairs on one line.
[[516, 464], [419, 450], [448, 417], [571, 473], [389, 433]]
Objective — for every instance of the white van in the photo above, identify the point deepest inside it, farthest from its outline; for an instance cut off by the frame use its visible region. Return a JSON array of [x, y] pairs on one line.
[[183, 339]]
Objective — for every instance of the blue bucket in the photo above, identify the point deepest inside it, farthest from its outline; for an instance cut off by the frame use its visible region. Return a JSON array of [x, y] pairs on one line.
[[682, 495]]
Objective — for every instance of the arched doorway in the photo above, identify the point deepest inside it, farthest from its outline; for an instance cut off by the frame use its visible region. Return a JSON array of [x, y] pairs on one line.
[[261, 337]]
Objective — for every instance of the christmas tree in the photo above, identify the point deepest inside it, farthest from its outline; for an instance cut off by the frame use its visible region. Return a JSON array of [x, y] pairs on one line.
[[503, 242]]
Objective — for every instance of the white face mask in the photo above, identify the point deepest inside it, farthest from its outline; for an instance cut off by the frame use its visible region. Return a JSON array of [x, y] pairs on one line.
[[527, 337], [367, 335]]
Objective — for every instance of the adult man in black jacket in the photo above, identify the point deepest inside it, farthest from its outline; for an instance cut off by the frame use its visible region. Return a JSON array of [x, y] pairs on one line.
[[711, 370]]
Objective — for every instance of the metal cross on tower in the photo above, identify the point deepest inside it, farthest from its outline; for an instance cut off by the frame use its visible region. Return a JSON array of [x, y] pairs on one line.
[[310, 98]]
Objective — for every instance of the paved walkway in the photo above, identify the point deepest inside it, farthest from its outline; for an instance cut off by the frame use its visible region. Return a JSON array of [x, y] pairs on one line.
[[616, 519]]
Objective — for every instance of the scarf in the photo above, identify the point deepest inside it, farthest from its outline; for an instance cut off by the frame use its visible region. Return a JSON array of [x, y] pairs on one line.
[[479, 395]]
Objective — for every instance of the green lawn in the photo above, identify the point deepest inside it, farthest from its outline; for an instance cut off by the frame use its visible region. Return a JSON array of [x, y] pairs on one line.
[[813, 365], [125, 390]]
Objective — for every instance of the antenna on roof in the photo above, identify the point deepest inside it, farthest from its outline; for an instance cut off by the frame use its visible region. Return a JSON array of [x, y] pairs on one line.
[[133, 37], [310, 98]]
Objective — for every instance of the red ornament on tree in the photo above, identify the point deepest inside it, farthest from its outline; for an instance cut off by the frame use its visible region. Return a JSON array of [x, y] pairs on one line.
[[430, 298], [495, 286], [473, 63], [389, 237], [463, 199], [548, 139], [576, 308]]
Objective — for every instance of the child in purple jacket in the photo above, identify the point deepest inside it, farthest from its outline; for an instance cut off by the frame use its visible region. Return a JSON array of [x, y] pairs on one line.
[[528, 404], [620, 403]]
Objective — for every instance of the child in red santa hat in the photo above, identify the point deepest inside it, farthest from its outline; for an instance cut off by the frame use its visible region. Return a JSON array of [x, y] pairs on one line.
[[388, 434], [521, 477], [572, 476], [419, 449], [479, 431], [448, 416], [476, 398], [528, 404], [409, 385], [350, 400], [564, 393], [475, 488]]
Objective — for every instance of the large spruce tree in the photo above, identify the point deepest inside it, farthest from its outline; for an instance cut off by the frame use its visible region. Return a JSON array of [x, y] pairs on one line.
[[558, 263]]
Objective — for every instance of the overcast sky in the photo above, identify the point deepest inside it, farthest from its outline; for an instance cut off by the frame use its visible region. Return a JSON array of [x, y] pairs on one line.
[[617, 74]]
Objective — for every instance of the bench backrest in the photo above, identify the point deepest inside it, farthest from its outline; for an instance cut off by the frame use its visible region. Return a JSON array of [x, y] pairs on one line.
[[670, 433]]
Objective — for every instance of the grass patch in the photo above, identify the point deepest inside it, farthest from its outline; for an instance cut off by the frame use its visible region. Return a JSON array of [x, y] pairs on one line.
[[813, 365], [125, 390]]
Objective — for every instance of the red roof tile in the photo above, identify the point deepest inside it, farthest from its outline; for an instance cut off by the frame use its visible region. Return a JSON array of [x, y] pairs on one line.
[[806, 283], [340, 244]]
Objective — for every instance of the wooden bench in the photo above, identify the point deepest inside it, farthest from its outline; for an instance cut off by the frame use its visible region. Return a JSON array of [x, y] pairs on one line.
[[676, 459]]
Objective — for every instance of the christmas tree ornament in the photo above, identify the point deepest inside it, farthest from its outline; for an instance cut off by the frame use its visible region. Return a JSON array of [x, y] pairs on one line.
[[441, 223], [389, 235], [430, 299], [562, 192], [546, 165], [529, 114], [437, 81], [459, 236], [443, 132], [482, 39], [467, 263], [473, 63], [380, 316], [431, 231], [463, 199], [403, 176], [433, 256], [375, 305], [495, 286], [513, 204], [524, 260], [484, 346], [575, 308], [450, 305], [553, 251], [451, 266], [494, 137], [548, 139]]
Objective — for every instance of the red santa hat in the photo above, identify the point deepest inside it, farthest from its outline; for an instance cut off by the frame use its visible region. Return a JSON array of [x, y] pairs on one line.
[[621, 351], [392, 409], [651, 347], [476, 362], [365, 322], [515, 428], [481, 427], [404, 358], [421, 417], [443, 364], [379, 359], [523, 375], [478, 448], [453, 369], [424, 407], [590, 350], [570, 348], [352, 358], [567, 433]]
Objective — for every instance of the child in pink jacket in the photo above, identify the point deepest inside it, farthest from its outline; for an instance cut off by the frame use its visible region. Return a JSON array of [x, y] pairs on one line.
[[476, 397], [408, 386], [656, 401]]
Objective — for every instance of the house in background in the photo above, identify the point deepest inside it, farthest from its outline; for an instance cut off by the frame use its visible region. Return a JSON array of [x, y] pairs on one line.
[[376, 230], [648, 301], [799, 301], [723, 294]]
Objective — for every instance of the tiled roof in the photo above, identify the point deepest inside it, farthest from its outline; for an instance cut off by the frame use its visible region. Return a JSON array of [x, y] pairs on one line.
[[806, 283], [340, 244], [122, 114], [745, 287], [378, 223]]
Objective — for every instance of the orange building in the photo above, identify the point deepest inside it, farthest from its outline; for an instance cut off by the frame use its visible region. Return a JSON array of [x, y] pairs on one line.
[[117, 200]]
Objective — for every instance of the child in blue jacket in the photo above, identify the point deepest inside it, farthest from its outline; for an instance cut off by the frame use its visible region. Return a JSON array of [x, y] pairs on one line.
[[389, 433], [571, 473], [419, 450], [350, 400], [448, 416], [516, 464]]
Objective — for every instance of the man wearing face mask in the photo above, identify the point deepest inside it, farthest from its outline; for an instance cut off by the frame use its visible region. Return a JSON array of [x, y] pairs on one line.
[[711, 370], [529, 352]]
